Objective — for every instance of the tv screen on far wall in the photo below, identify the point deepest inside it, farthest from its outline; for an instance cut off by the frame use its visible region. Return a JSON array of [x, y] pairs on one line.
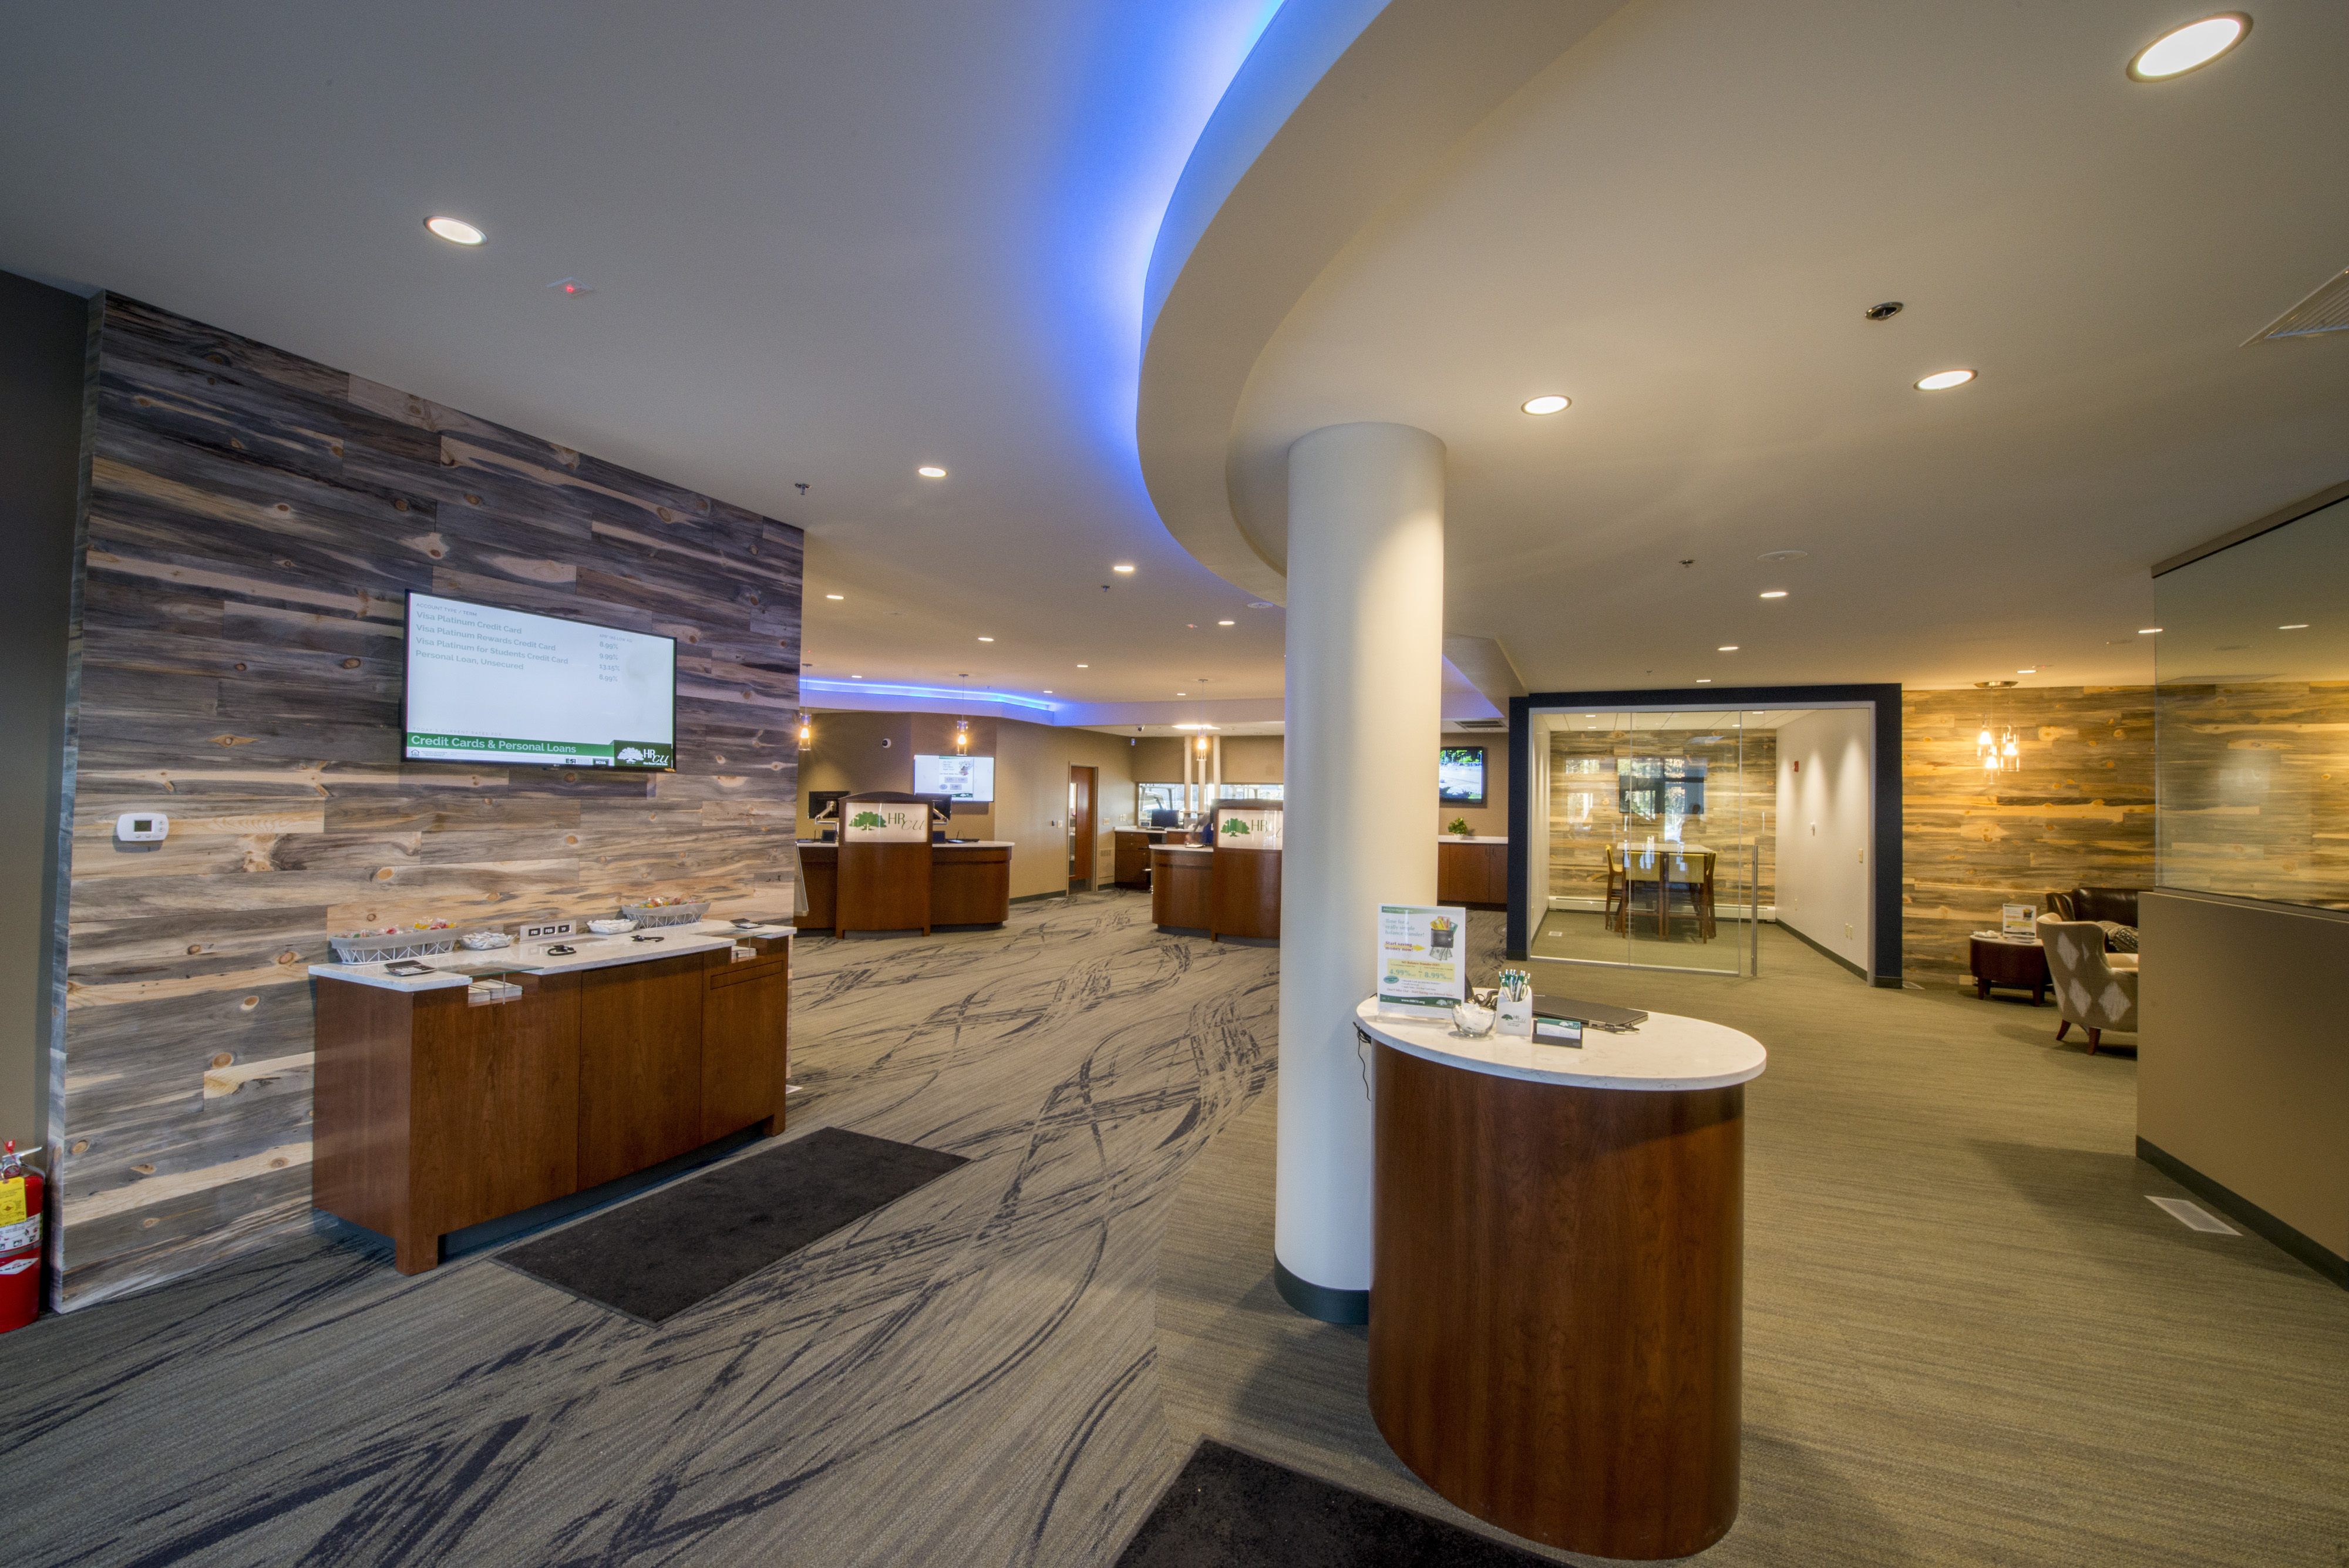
[[1460, 775]]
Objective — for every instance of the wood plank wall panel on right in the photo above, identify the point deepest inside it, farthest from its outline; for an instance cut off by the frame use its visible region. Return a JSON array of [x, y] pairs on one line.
[[2079, 812], [254, 524]]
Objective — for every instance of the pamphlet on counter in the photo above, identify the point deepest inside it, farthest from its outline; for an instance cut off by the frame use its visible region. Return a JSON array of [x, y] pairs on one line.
[[1423, 960]]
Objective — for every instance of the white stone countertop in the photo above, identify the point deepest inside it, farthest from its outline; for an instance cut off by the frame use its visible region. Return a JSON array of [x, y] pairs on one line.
[[1466, 838], [1666, 1052], [1182, 849], [595, 952]]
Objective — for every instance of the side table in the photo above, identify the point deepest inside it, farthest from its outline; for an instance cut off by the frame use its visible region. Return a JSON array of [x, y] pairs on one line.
[[2017, 966]]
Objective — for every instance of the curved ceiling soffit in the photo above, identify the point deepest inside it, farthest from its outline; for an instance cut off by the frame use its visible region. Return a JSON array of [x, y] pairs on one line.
[[1340, 107]]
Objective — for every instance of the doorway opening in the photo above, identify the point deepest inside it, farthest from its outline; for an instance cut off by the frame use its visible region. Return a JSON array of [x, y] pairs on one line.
[[1666, 836], [1083, 787]]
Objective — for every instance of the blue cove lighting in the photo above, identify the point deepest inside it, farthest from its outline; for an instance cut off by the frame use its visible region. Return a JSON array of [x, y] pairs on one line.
[[939, 693]]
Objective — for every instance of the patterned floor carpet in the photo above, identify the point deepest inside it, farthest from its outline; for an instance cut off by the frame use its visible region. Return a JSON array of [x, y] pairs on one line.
[[1969, 1338]]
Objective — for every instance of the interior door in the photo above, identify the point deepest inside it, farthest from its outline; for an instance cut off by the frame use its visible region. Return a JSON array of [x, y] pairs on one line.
[[1080, 825]]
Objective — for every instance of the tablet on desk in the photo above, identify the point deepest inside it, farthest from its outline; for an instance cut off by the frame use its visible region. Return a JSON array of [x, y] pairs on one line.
[[409, 968]]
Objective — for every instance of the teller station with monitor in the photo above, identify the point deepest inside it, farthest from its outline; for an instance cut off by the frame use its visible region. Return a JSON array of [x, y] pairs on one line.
[[1226, 886], [884, 861], [468, 1072]]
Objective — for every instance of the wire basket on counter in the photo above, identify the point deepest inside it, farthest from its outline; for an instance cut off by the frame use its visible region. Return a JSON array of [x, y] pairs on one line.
[[378, 950], [650, 915]]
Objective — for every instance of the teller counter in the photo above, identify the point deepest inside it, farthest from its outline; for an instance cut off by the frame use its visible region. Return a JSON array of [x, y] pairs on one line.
[[905, 886], [1557, 1289], [1220, 892]]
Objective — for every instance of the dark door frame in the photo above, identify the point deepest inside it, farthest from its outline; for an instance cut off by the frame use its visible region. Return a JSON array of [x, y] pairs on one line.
[[1883, 841], [1084, 840]]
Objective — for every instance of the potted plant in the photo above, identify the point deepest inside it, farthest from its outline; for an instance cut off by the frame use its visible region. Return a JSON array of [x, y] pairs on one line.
[[1458, 827]]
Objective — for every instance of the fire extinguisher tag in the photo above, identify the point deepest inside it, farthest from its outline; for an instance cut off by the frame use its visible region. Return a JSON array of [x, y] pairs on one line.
[[25, 1233], [12, 1200]]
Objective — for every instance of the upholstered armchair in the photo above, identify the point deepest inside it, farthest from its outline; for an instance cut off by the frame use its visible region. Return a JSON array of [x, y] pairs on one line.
[[2091, 991]]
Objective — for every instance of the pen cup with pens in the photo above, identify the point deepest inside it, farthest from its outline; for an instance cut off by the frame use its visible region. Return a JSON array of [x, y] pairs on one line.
[[1514, 1005]]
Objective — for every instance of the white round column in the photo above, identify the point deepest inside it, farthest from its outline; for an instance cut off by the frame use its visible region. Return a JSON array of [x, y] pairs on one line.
[[1364, 691]]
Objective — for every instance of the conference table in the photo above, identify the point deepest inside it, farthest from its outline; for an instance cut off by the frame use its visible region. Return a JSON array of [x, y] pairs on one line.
[[1664, 866]]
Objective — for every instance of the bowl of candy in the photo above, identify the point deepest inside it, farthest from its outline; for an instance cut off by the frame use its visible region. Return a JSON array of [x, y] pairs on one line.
[[665, 910], [611, 928], [482, 941], [418, 939]]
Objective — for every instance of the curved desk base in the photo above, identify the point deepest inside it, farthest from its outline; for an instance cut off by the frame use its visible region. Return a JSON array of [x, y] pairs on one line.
[[1556, 1301]]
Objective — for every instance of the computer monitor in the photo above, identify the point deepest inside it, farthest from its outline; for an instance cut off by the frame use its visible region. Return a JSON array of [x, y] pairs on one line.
[[823, 805], [1161, 818]]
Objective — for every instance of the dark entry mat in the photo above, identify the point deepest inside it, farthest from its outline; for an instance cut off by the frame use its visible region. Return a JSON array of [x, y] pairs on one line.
[[656, 1256], [1231, 1510]]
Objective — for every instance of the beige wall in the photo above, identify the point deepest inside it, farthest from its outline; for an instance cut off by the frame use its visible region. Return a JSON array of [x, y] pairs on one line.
[[1031, 781]]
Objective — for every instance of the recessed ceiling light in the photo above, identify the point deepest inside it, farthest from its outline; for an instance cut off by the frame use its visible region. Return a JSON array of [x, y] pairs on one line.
[[1704, 681], [456, 231], [1228, 623], [1942, 381], [1182, 695], [987, 640], [856, 677], [2146, 630], [2031, 669], [835, 596], [931, 470], [1123, 566], [2296, 625], [1773, 593], [2196, 43], [1048, 691], [1773, 558], [1726, 648], [1550, 404]]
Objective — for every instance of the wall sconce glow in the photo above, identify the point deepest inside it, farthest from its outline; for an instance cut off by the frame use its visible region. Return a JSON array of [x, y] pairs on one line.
[[1123, 566], [1552, 404], [1773, 593], [2194, 45], [456, 231], [1942, 381], [931, 470]]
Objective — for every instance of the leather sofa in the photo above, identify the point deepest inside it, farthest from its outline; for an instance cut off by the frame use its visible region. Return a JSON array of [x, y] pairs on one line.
[[2117, 905]]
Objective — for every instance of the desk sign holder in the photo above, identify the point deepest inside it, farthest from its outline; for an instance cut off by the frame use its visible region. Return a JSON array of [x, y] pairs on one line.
[[1422, 966], [2018, 920]]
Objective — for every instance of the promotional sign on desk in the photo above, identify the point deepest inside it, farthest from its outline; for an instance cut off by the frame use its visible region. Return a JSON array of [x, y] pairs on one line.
[[885, 822], [1249, 827], [1422, 959]]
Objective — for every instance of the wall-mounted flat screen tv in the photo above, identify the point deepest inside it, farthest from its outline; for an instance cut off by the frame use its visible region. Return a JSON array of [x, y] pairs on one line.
[[491, 685], [1460, 775], [963, 778]]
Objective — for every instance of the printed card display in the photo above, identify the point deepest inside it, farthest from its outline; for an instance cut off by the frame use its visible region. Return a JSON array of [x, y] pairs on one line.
[[1422, 959], [2018, 919], [885, 821], [1249, 827]]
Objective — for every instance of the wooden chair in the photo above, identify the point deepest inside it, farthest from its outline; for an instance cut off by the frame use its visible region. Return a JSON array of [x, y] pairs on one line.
[[1693, 872], [1625, 875]]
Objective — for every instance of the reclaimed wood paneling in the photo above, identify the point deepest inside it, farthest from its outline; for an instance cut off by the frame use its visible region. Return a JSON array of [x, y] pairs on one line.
[[2079, 812], [255, 523], [2255, 790]]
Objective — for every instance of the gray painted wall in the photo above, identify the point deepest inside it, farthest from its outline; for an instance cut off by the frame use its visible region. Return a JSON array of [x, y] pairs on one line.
[[44, 348]]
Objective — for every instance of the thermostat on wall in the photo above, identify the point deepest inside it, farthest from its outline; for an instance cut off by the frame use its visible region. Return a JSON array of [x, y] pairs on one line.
[[141, 827]]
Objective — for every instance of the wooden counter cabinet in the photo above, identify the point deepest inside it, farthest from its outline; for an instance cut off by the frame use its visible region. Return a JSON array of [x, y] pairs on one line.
[[434, 1114]]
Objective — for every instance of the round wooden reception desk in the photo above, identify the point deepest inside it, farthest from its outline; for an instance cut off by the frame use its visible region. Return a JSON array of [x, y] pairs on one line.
[[1557, 1290]]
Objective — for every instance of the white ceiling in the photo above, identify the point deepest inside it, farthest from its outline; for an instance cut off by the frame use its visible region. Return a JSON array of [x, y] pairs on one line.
[[828, 243], [1678, 225]]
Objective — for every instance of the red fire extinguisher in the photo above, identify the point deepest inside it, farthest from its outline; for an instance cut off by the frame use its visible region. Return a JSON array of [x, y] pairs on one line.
[[20, 1240]]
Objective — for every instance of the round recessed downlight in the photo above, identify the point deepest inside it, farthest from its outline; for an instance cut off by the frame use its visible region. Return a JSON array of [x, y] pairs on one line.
[[2147, 630], [931, 470], [1773, 593], [2194, 45], [2296, 625], [1084, 667], [1228, 623], [987, 640], [1942, 381], [456, 231], [1550, 404], [835, 596], [1704, 681], [1726, 648], [1123, 566]]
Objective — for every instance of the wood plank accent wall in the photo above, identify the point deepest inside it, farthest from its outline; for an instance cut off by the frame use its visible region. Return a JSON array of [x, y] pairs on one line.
[[254, 522], [2079, 812], [1746, 797]]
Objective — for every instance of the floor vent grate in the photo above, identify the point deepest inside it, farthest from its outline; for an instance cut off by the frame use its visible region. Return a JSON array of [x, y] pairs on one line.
[[2193, 1216], [2326, 310]]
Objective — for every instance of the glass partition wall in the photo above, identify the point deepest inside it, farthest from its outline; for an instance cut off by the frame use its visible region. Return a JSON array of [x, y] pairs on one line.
[[2252, 717], [1660, 826]]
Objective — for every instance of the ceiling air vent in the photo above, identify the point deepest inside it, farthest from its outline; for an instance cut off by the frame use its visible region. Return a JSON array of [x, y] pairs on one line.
[[2326, 310], [1480, 723]]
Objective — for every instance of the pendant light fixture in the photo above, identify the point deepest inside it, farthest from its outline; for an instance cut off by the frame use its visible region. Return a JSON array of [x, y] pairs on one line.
[[962, 737], [807, 731]]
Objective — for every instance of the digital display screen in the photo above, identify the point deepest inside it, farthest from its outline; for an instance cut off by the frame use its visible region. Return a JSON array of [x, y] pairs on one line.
[[490, 685], [959, 778], [1460, 775]]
